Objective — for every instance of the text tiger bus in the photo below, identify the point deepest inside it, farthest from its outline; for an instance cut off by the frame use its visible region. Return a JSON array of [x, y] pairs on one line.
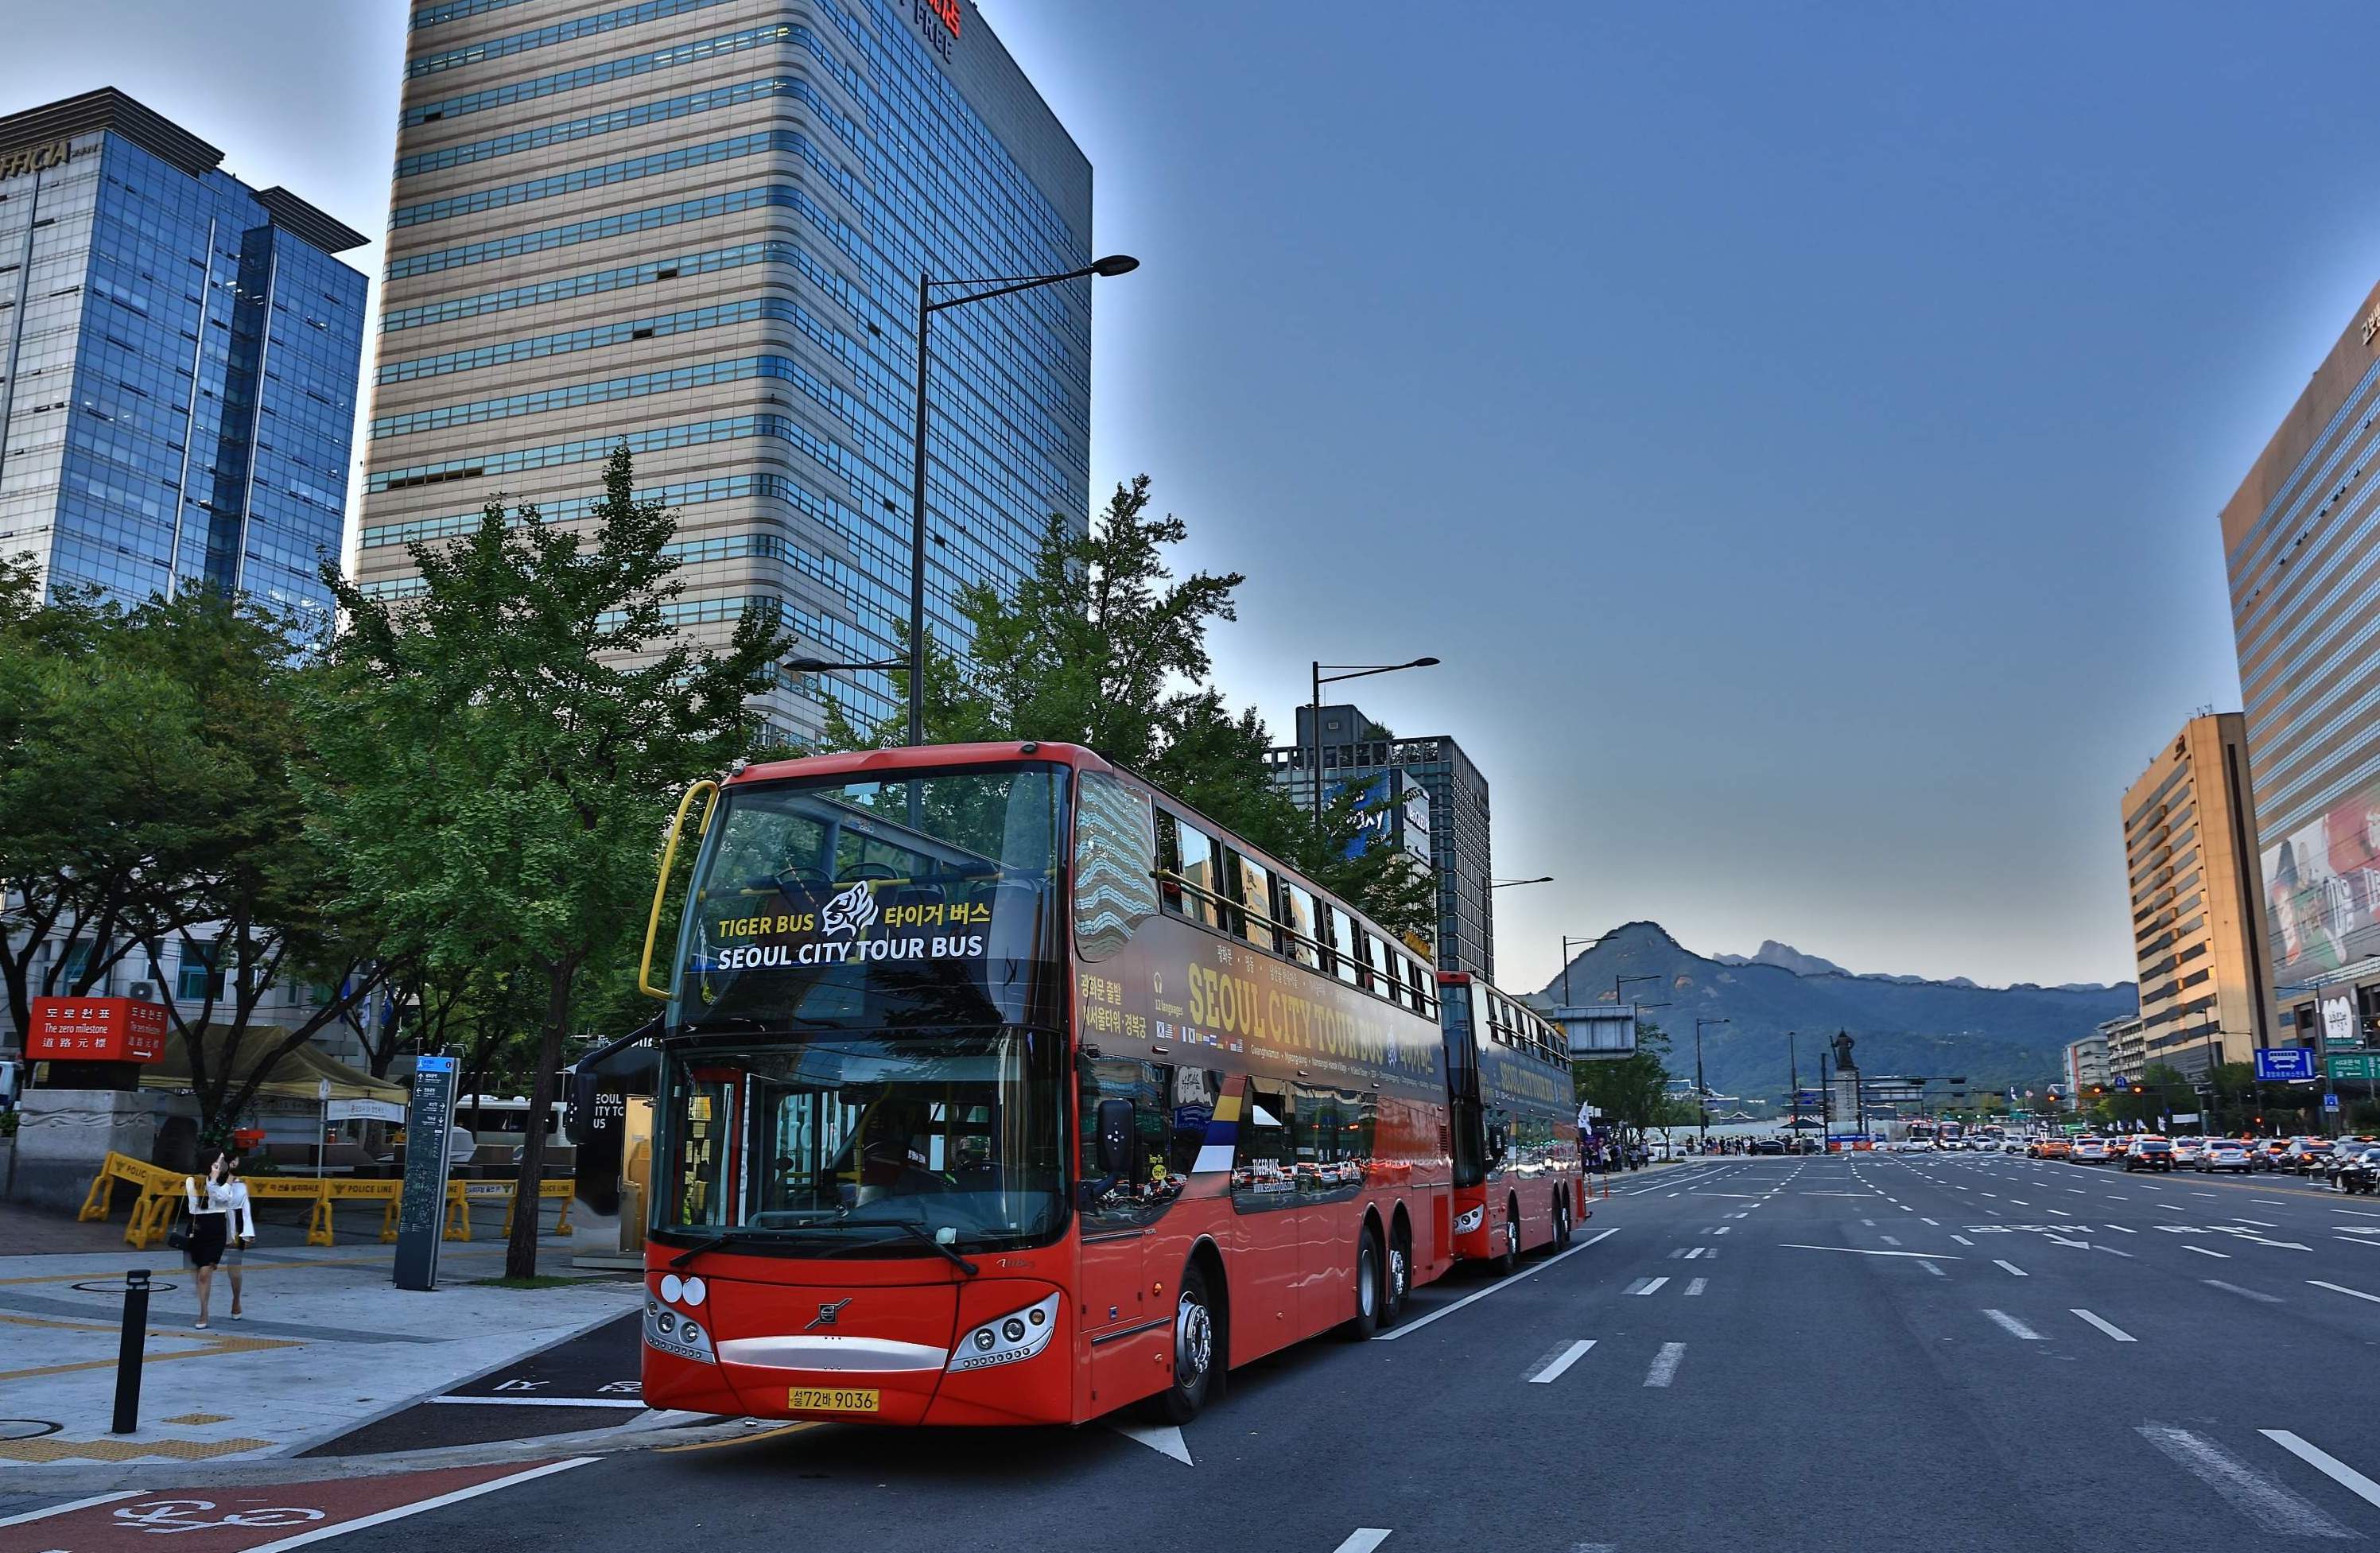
[[998, 1088]]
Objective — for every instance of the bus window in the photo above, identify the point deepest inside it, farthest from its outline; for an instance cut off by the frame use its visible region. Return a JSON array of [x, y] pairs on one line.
[[1146, 1183], [1169, 862], [1255, 900], [1345, 958], [1297, 925], [1196, 868], [1115, 888], [1417, 986], [1265, 1170]]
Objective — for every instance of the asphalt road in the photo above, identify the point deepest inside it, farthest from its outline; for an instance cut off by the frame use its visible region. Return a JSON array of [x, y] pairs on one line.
[[1931, 1353]]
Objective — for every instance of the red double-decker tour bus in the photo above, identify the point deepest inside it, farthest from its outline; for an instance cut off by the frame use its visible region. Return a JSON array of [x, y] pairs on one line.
[[998, 1088], [1518, 1178]]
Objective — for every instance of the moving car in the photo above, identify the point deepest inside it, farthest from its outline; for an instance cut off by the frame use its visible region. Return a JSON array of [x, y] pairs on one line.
[[2089, 1151], [2149, 1154], [2359, 1172], [2267, 1152], [2227, 1154], [2306, 1156], [2342, 1157], [2188, 1151]]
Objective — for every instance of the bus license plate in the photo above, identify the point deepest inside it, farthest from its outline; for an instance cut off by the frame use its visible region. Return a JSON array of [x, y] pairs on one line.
[[819, 1399]]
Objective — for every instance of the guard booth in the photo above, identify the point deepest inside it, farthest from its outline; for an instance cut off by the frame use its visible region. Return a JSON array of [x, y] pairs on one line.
[[609, 1117]]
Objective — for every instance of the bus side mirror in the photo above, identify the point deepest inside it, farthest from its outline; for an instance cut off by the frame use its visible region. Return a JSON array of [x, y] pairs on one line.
[[1115, 1137]]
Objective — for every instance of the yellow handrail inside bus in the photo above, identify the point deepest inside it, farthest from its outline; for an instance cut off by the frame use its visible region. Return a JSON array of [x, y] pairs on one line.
[[661, 885]]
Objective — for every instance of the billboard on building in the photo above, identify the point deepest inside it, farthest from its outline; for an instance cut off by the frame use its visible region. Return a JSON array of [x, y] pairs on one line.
[[1392, 810], [2322, 888]]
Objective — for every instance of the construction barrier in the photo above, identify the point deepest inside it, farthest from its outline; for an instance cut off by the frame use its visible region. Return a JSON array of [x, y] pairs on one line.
[[162, 1198]]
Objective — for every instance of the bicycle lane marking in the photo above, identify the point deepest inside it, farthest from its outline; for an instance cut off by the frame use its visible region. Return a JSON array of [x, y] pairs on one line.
[[269, 1518]]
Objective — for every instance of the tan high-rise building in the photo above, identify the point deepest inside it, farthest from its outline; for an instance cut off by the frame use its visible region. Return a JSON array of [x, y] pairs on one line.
[[2198, 926]]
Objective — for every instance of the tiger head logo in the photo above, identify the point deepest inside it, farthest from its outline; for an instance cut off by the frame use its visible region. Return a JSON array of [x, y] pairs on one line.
[[852, 912]]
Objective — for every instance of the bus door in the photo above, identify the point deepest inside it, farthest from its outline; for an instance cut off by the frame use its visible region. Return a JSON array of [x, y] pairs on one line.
[[1266, 1272], [1122, 1188]]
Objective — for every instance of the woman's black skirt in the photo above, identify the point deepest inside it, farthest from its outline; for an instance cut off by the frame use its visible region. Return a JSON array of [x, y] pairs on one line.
[[207, 1234]]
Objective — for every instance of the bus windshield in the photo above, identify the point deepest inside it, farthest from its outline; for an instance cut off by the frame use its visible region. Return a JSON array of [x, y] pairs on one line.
[[862, 904], [881, 1142]]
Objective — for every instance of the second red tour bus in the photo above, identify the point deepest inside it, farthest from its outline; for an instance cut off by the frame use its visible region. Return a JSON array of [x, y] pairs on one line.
[[998, 1088], [1519, 1177]]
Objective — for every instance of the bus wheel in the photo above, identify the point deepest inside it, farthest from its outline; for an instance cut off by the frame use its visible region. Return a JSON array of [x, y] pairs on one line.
[[1562, 1219], [1400, 1274], [1198, 1350], [1510, 1257], [1368, 1286]]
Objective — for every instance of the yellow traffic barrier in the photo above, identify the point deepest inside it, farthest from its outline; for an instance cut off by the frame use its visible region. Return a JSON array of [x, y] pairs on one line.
[[162, 1198]]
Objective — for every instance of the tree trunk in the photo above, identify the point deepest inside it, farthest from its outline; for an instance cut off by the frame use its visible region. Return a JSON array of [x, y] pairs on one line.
[[520, 1251]]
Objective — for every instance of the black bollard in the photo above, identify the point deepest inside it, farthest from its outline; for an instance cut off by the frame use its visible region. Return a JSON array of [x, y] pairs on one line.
[[127, 1352]]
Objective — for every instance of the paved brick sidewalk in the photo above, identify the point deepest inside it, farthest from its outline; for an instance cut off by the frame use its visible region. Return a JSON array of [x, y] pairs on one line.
[[328, 1343]]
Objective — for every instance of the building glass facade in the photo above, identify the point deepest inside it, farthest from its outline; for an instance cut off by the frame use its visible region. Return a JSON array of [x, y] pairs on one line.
[[178, 356], [696, 227], [1353, 750], [2301, 541]]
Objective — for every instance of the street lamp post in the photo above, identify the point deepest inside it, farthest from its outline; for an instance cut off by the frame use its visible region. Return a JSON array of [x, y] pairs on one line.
[[1314, 711], [1701, 1092], [1567, 941], [927, 306]]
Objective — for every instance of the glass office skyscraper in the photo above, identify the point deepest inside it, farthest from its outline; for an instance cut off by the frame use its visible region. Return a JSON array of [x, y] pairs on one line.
[[177, 363], [696, 227]]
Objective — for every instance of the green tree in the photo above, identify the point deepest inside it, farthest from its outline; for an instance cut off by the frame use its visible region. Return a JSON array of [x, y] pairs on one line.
[[1102, 645], [499, 752], [1634, 1091]]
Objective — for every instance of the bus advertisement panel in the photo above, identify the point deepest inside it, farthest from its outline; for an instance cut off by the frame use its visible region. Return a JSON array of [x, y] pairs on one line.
[[997, 1088]]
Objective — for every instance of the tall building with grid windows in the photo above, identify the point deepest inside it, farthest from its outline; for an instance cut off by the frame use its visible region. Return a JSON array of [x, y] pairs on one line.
[[177, 363], [696, 227]]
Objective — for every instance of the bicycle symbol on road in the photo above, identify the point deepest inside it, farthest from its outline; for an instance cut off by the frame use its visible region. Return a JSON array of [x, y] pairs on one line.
[[186, 1515]]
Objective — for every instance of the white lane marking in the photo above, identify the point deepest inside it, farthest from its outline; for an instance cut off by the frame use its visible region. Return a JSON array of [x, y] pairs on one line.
[[2061, 1212], [2277, 1202], [2202, 1193], [541, 1401], [1652, 1286], [2120, 1230], [1362, 1540], [1551, 1368], [1932, 1269], [1697, 1286], [2012, 1267], [2076, 1190], [435, 1502], [2108, 1326], [2258, 1222], [69, 1506], [1681, 1251], [2013, 1326], [1409, 1328], [2235, 1289], [2117, 1196], [2359, 1212], [1961, 1240], [1856, 1250], [2346, 1240], [1869, 1223], [2019, 1202], [1163, 1438], [2251, 1493], [2343, 1288], [1889, 1239], [1722, 1229], [1665, 1364], [2323, 1462], [2226, 1256], [1694, 1253], [1923, 1221]]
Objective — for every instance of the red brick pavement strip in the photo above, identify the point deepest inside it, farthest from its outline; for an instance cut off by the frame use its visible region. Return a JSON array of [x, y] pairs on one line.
[[261, 1518]]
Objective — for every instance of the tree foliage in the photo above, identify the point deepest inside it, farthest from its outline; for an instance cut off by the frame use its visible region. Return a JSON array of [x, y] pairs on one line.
[[1103, 645], [1634, 1091], [500, 753]]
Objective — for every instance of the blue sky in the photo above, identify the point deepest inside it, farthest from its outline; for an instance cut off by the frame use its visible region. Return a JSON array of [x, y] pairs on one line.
[[1799, 427]]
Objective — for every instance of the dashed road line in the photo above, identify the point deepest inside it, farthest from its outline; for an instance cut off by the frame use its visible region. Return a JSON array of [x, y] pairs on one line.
[[2343, 1288], [1362, 1540], [1697, 1286], [2269, 1505], [2244, 1293], [1651, 1285], [2224, 1256], [2013, 1326], [2012, 1267], [1549, 1368], [1408, 1328], [1962, 1240], [2108, 1326], [1665, 1364], [2330, 1466]]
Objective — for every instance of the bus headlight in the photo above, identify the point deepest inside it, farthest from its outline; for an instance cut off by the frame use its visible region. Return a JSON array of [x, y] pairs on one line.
[[1470, 1220], [1007, 1340], [675, 1334]]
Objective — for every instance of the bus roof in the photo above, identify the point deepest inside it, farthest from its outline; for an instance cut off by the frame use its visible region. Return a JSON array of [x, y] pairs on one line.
[[907, 758]]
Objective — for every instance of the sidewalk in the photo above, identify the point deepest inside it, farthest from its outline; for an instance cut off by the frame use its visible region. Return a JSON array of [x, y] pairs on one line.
[[328, 1343]]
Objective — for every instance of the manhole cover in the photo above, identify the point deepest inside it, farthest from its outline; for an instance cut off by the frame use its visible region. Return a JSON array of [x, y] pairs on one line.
[[118, 1288], [26, 1428]]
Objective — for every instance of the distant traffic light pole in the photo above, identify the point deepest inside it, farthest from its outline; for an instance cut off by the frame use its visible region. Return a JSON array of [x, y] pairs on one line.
[[1701, 1092]]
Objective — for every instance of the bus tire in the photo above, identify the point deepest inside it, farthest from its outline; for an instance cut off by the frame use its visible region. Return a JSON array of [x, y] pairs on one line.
[[1510, 1257], [1198, 1350], [1400, 1272], [1561, 1218], [1371, 1289]]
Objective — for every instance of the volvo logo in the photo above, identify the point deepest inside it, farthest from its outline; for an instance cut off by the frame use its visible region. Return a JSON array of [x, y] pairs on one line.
[[827, 1313]]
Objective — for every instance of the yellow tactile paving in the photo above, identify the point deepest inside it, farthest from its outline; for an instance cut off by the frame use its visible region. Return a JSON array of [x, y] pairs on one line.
[[195, 1418], [213, 1345], [50, 1449]]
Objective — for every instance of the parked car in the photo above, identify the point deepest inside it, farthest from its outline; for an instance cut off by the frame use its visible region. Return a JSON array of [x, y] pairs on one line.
[[2149, 1154], [2360, 1172], [2187, 1152], [2343, 1155], [2268, 1152], [2089, 1151], [2304, 1156], [2227, 1154]]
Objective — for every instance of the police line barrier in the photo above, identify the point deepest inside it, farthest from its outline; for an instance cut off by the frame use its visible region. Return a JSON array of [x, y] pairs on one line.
[[162, 1198]]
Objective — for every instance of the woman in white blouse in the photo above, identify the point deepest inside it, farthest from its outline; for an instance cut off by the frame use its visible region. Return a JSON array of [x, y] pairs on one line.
[[220, 1225]]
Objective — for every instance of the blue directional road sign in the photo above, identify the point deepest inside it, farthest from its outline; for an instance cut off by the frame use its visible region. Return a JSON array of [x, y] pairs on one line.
[[2281, 1064], [2330, 1102]]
